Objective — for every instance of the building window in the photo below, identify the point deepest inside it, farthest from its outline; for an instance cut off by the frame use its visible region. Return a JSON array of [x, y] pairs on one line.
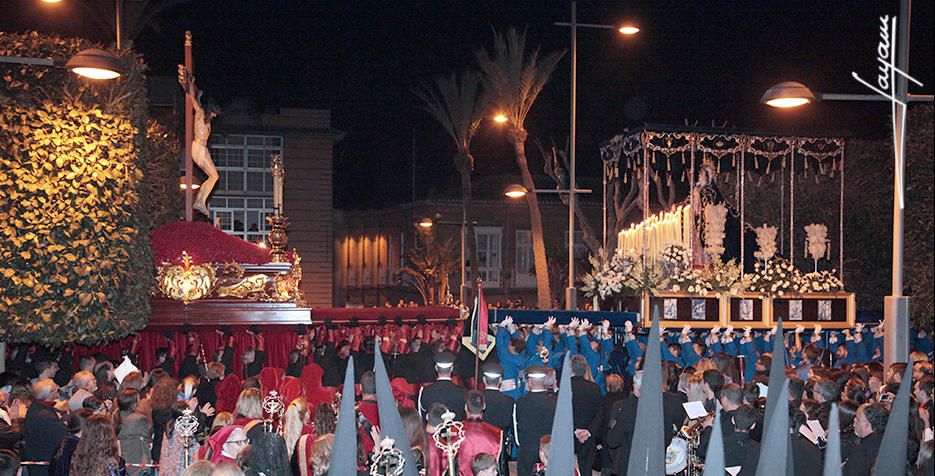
[[243, 194], [244, 218], [488, 254], [581, 250], [524, 266]]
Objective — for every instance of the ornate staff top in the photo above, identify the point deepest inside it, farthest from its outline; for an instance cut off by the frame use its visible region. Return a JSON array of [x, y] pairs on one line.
[[388, 460], [450, 434], [274, 408], [187, 424]]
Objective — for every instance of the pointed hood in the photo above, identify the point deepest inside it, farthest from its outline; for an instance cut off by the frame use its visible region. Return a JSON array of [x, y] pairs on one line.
[[774, 451], [648, 452], [833, 450], [714, 459], [777, 374], [344, 453], [562, 450], [391, 425], [893, 449]]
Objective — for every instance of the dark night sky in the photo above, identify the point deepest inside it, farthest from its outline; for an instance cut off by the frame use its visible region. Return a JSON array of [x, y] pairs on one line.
[[702, 61]]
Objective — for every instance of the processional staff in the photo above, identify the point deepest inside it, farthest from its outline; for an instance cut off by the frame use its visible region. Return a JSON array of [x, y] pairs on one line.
[[448, 438]]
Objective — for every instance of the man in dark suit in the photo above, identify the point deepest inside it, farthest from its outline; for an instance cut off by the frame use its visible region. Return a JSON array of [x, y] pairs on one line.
[[731, 399], [43, 428], [499, 409], [869, 424], [532, 418], [739, 448], [614, 394], [622, 420], [443, 391], [586, 403], [619, 436]]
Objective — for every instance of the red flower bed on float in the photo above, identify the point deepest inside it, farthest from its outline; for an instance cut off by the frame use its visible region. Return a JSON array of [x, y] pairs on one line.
[[204, 243]]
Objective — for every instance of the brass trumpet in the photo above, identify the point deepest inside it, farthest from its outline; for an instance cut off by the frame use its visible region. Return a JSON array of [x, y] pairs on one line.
[[695, 428]]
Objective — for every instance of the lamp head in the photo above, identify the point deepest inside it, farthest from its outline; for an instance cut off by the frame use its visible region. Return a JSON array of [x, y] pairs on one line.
[[788, 94], [629, 30], [95, 64], [515, 191]]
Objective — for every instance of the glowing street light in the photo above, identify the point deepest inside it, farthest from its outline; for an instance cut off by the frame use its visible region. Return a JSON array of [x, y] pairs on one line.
[[515, 191], [95, 64], [426, 223], [629, 30], [788, 94], [500, 118]]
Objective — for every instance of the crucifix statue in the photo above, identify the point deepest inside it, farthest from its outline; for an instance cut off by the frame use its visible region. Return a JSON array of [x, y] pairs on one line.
[[201, 132]]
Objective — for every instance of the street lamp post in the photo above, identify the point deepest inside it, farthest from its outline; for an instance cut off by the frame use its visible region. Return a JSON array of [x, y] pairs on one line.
[[571, 292], [793, 94]]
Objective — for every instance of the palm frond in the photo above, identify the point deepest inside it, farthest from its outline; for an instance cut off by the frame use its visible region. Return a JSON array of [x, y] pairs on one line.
[[455, 103], [513, 78]]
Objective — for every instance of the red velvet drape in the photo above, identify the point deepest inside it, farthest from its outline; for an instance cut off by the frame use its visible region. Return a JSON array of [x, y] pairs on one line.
[[279, 341]]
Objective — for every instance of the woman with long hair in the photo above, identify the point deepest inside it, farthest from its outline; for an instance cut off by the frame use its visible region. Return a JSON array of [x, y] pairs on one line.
[[320, 457], [415, 430], [172, 457], [135, 432], [98, 453], [294, 421], [162, 397], [325, 419], [61, 459]]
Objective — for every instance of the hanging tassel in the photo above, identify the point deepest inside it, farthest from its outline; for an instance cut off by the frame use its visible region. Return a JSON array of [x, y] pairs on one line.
[[816, 179], [772, 179], [769, 166], [759, 181], [668, 164]]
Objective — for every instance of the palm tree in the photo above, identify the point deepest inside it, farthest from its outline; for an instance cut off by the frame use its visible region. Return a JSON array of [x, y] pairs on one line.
[[457, 106], [515, 80]]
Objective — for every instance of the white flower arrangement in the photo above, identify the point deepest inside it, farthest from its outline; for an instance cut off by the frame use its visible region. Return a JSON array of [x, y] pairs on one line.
[[778, 277], [674, 259], [719, 278], [819, 282], [766, 241], [715, 219], [816, 240], [608, 278], [773, 278]]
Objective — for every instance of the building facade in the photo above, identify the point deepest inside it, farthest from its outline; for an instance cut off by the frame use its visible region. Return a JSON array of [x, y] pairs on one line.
[[242, 144], [373, 246]]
